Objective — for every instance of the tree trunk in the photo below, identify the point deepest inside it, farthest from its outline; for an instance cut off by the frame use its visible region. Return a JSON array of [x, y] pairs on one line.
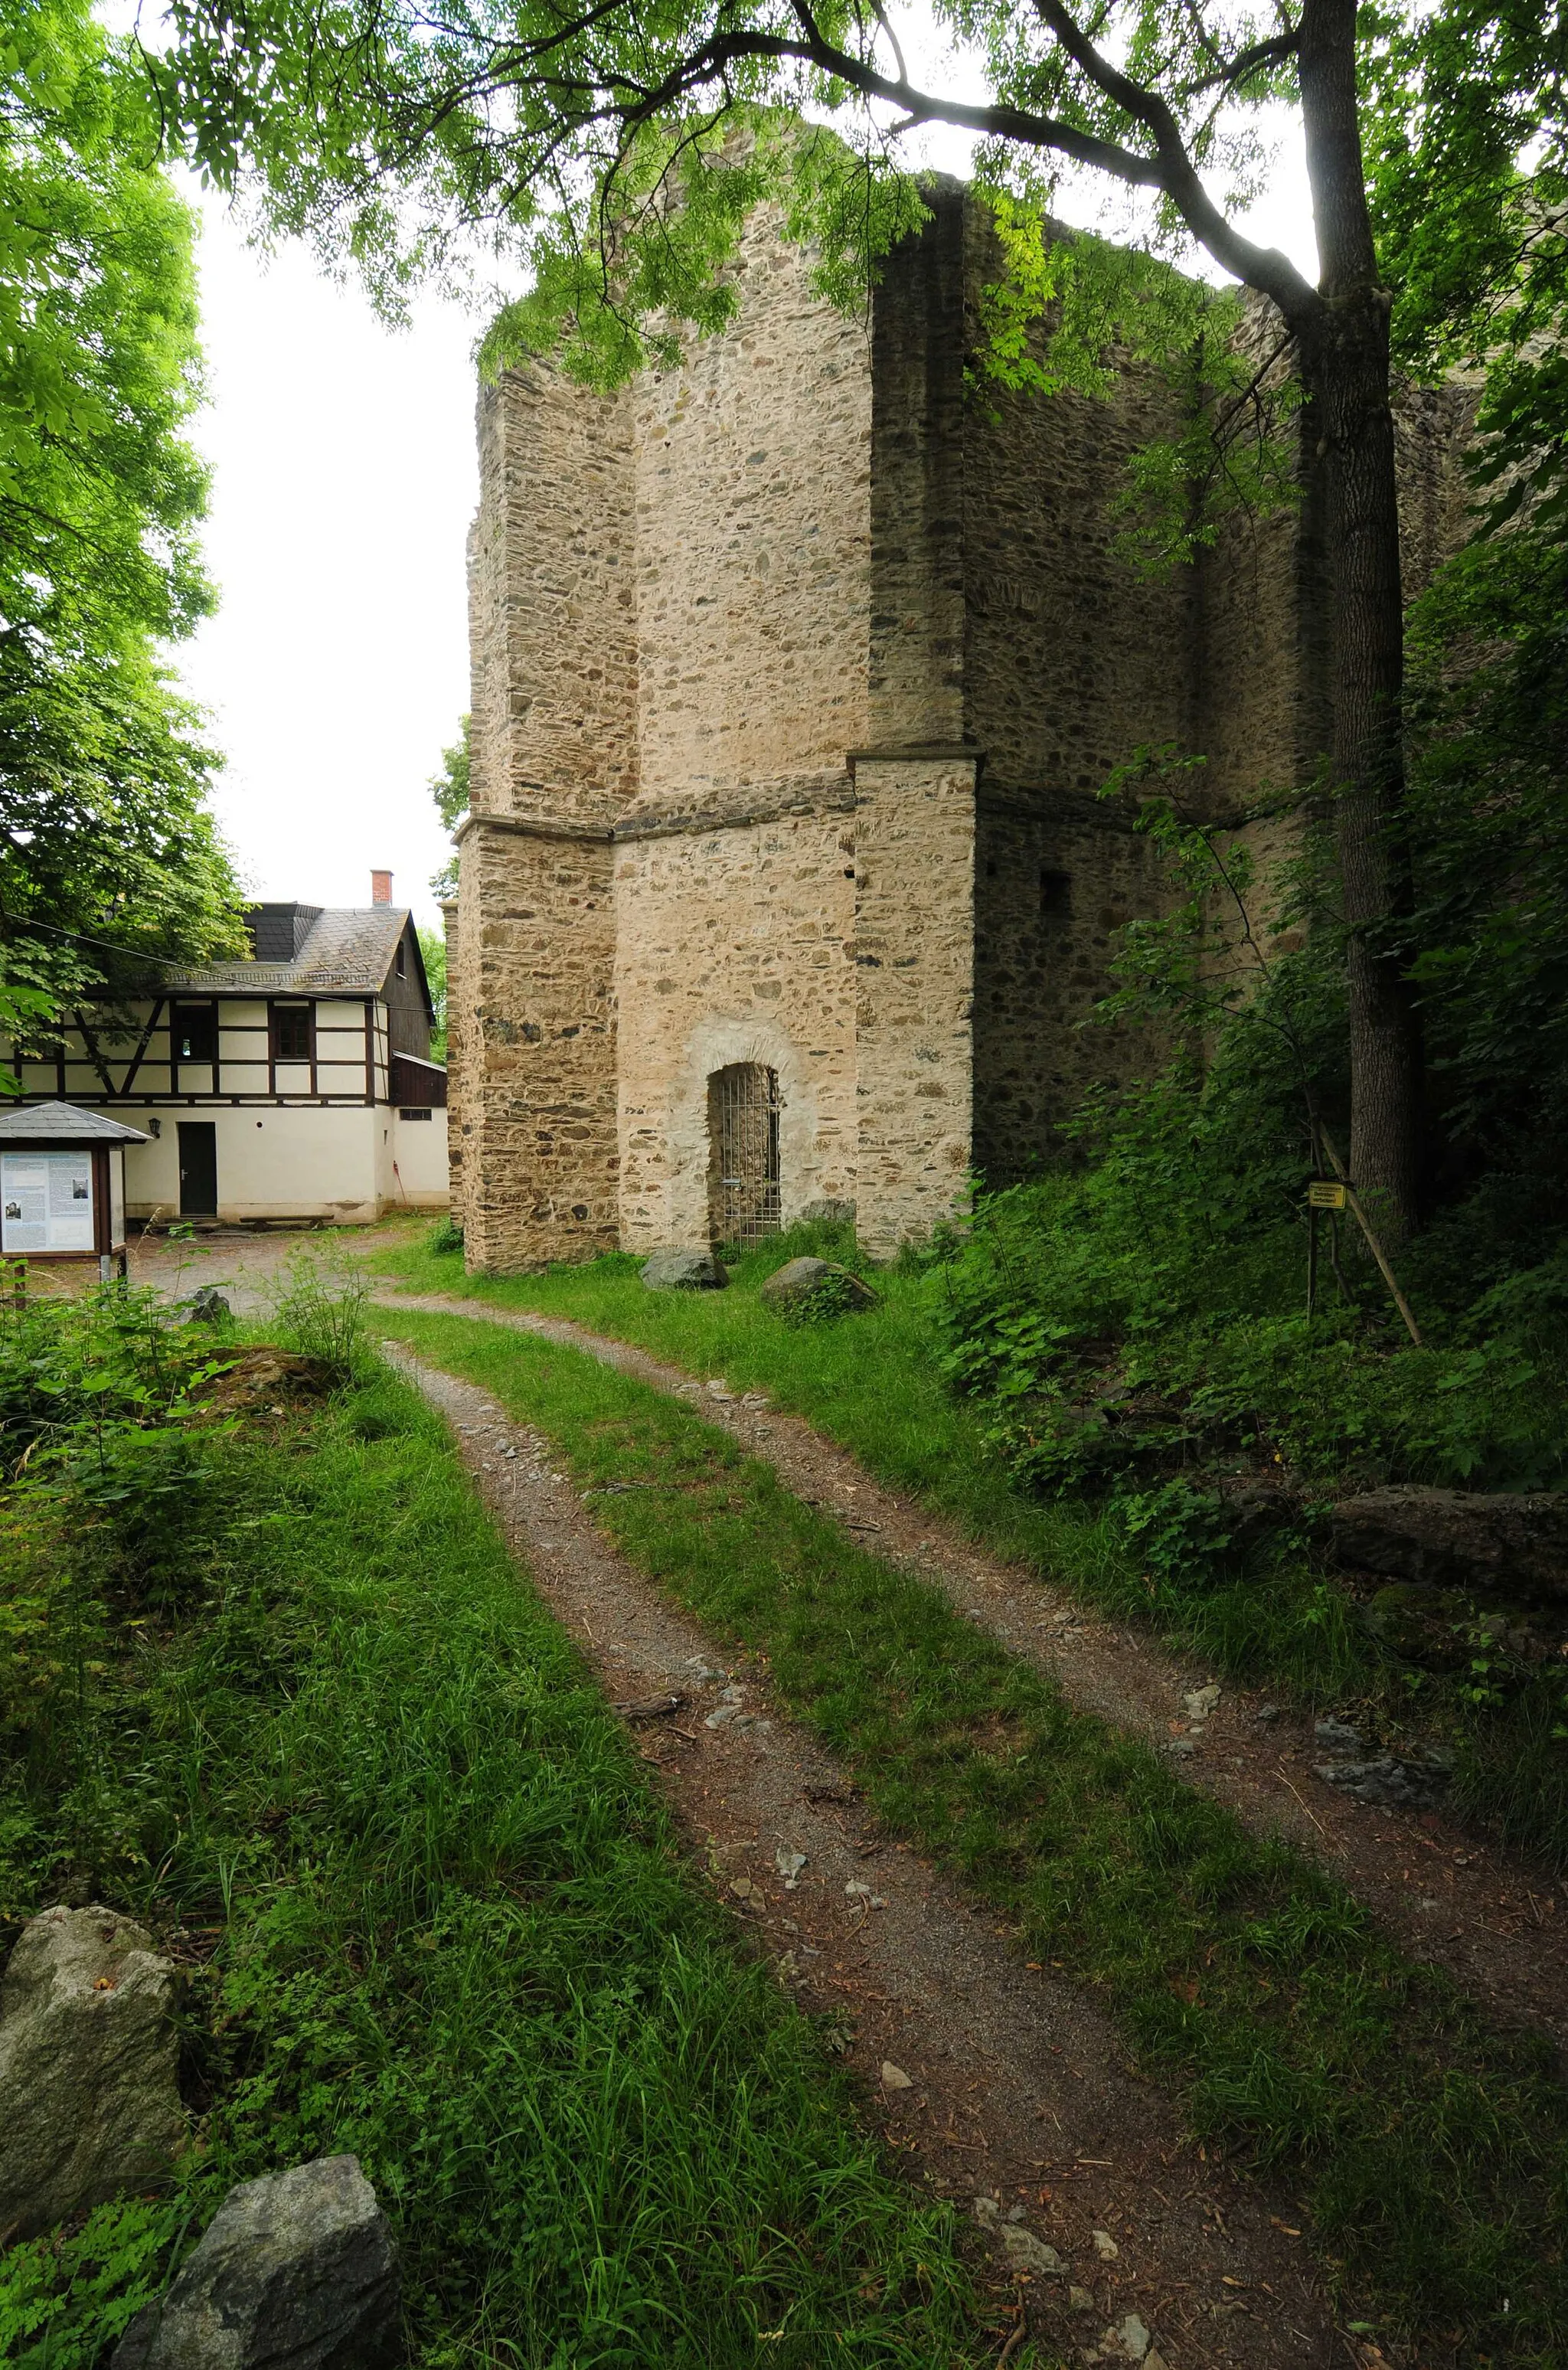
[[1344, 363]]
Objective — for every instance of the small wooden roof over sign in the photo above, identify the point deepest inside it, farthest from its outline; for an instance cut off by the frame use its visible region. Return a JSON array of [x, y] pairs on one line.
[[63, 1124]]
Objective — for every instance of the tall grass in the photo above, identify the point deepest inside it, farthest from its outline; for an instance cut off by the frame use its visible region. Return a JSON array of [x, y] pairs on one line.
[[873, 1381], [453, 1934], [1434, 2153]]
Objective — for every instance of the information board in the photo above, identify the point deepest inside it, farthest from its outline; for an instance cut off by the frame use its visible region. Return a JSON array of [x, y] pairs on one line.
[[46, 1202]]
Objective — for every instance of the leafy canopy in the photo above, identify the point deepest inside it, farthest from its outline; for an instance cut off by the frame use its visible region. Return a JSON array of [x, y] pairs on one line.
[[617, 149], [104, 833]]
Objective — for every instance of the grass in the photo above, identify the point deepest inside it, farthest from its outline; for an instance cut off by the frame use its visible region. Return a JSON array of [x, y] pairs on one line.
[[1431, 2150], [872, 1383], [450, 1931]]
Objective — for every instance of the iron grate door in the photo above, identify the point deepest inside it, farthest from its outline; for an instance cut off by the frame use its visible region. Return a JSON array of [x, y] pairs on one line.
[[743, 1136]]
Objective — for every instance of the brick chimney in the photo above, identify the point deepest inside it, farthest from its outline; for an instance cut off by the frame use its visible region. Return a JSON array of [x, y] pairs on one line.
[[381, 888]]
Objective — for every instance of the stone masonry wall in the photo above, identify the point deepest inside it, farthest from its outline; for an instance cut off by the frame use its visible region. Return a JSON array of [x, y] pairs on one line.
[[735, 945], [536, 1025], [753, 543], [917, 452], [914, 956], [1055, 879], [553, 743], [1071, 658]]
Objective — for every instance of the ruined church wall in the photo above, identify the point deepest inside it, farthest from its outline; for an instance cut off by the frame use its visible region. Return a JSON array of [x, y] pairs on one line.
[[554, 757], [534, 1020], [914, 961], [1072, 661], [736, 945], [916, 648], [1055, 880], [752, 474]]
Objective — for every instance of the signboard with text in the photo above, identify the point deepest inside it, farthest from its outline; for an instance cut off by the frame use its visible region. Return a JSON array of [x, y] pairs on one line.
[[46, 1202]]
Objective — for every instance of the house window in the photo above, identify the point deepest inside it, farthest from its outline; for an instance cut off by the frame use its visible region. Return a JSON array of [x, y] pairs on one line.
[[1056, 892], [401, 960], [194, 1032], [292, 1032]]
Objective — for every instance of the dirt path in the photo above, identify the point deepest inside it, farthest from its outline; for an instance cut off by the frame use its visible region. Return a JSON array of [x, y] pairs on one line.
[[247, 1264], [999, 2085], [1498, 1926]]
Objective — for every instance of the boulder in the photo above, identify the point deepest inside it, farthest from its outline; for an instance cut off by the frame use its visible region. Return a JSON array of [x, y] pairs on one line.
[[296, 2272], [804, 1280], [89, 2102], [826, 1213], [684, 1271], [1516, 1545]]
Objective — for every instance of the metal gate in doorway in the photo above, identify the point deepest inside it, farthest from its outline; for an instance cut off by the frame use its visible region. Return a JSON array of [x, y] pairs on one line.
[[743, 1140]]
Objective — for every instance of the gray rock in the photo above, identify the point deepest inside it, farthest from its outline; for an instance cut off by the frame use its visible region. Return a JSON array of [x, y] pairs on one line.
[[1392, 1785], [89, 2102], [1025, 2253], [295, 2271], [1338, 1736], [827, 1213], [209, 1306], [1458, 1538], [802, 1279], [684, 1271]]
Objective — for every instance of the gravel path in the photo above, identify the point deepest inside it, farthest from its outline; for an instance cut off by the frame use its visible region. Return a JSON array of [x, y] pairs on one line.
[[1495, 1923], [998, 2084]]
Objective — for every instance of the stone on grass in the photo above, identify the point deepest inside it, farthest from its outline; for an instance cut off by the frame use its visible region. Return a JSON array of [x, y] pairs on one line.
[[295, 2271], [1463, 1539], [803, 1280], [684, 1271], [89, 2102]]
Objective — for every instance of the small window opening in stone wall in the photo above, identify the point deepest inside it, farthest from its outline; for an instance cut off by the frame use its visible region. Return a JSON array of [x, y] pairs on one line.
[[743, 1140], [1056, 892]]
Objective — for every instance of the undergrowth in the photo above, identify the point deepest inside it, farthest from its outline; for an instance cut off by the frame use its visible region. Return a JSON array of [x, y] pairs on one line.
[[336, 1756], [1264, 1604]]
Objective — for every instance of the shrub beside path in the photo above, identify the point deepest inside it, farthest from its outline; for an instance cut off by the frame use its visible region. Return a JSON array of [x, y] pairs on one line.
[[1493, 1921]]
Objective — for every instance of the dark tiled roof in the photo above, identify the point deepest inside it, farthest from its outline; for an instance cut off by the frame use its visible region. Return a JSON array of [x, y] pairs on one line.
[[63, 1124], [349, 948]]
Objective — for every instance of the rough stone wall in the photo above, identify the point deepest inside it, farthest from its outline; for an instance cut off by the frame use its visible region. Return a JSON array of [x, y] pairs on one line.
[[536, 1113], [917, 449], [736, 945], [752, 466], [1071, 658], [1056, 878], [456, 1063], [914, 956], [555, 720], [554, 755]]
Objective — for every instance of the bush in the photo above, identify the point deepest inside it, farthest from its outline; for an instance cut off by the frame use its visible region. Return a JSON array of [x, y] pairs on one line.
[[320, 1310]]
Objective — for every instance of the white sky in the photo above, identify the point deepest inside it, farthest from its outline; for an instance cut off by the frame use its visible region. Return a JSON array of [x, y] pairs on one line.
[[344, 480]]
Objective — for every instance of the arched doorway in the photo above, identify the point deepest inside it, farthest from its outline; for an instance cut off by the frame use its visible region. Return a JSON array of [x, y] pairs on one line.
[[743, 1153]]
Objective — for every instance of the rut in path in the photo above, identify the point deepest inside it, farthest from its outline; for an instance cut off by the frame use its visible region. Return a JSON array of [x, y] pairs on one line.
[[998, 2083], [1492, 1921]]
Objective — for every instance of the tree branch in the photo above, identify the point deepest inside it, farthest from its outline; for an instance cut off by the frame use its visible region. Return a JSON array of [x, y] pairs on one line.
[[1173, 172]]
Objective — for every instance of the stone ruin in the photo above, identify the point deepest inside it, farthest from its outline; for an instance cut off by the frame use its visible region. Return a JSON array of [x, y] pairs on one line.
[[795, 673]]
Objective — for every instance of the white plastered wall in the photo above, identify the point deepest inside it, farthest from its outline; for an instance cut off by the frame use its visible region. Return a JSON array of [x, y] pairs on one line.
[[302, 1163], [421, 1177]]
